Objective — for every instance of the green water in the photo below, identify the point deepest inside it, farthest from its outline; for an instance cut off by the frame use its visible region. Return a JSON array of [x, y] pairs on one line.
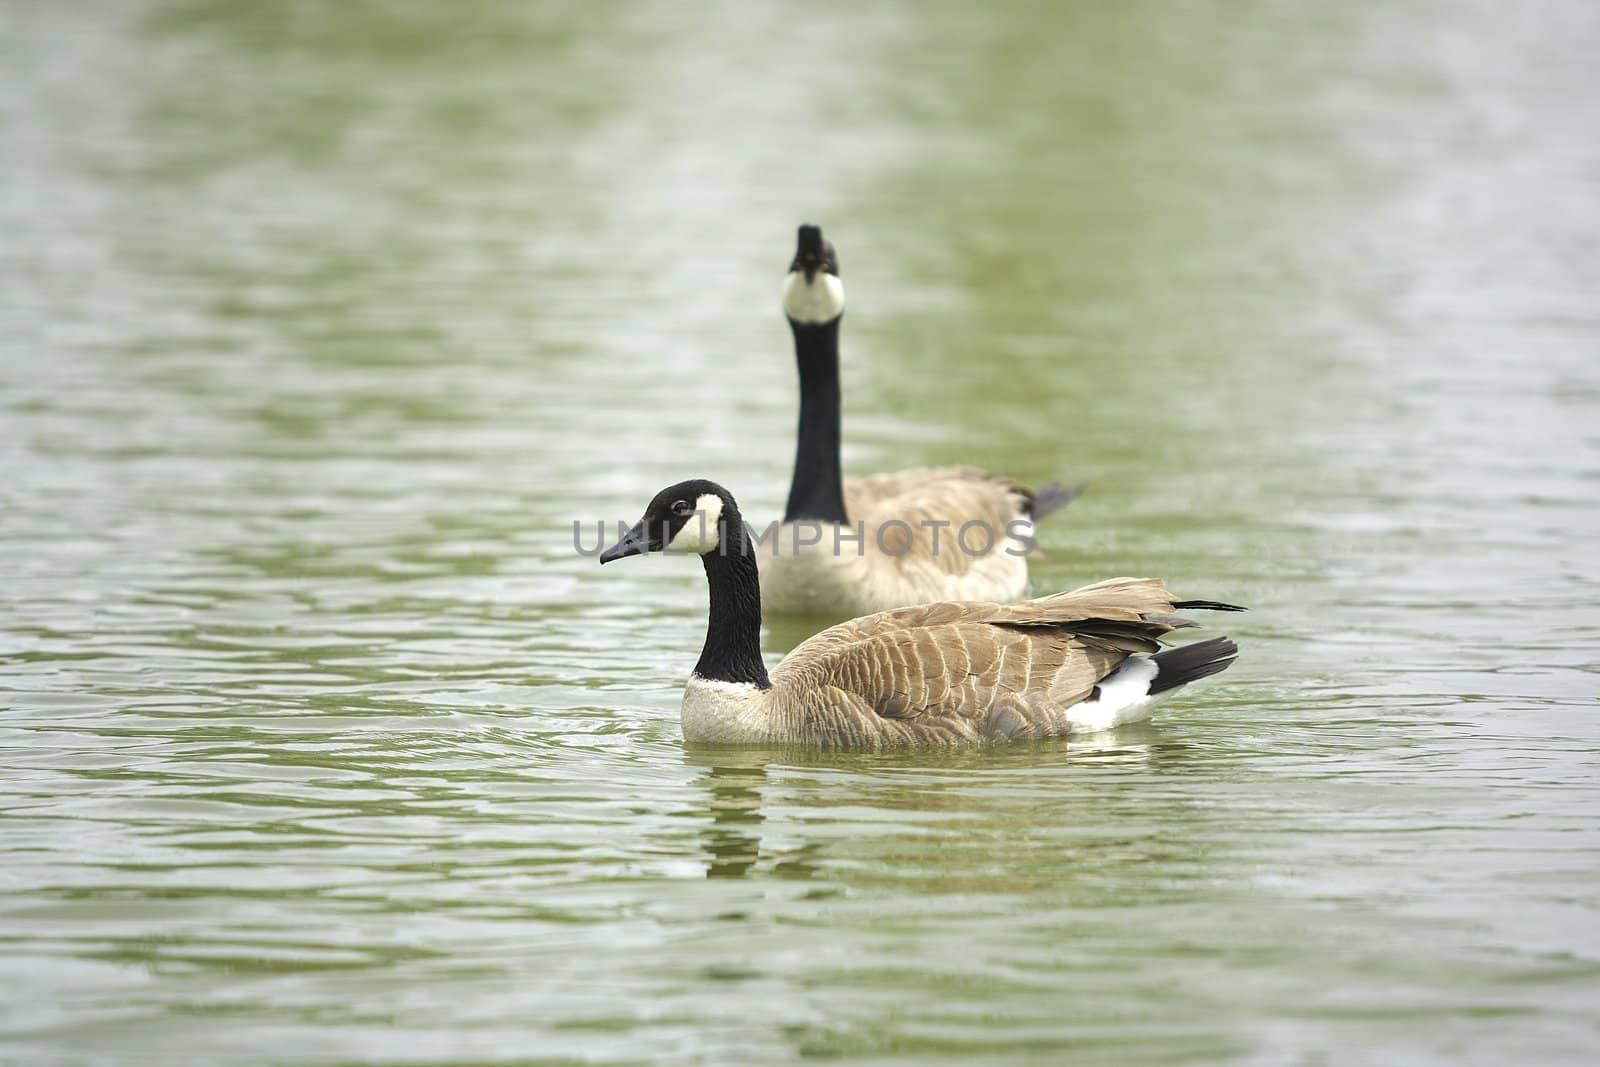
[[321, 323]]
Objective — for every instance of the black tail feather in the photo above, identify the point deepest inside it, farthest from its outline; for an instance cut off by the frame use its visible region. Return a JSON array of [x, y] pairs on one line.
[[1054, 497], [1188, 663], [1205, 605]]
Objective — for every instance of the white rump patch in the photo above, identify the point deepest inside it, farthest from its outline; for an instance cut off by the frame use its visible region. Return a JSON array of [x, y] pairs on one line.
[[1019, 539], [815, 302], [699, 534], [1124, 697]]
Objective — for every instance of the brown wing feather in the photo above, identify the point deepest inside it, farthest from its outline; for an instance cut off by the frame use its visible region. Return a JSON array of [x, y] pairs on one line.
[[1138, 600], [964, 672], [870, 491], [955, 495]]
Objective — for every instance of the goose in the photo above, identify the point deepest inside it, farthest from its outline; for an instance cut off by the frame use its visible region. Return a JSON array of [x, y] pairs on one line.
[[940, 674], [861, 545]]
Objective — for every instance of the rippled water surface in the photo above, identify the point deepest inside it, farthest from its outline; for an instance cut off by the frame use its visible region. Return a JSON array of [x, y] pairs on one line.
[[321, 323]]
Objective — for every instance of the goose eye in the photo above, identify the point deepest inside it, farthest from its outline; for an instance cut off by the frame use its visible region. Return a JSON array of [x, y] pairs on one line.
[[682, 507]]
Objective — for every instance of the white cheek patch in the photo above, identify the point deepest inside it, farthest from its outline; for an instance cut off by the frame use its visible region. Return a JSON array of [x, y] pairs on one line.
[[821, 300], [699, 534]]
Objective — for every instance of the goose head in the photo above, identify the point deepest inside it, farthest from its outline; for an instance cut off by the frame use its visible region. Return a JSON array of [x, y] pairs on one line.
[[693, 516], [813, 295]]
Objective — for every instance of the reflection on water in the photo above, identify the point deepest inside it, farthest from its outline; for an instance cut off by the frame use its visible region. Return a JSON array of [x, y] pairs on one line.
[[735, 781], [734, 836], [320, 324]]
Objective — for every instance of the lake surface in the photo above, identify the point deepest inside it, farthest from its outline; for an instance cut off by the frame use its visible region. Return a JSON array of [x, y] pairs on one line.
[[320, 324]]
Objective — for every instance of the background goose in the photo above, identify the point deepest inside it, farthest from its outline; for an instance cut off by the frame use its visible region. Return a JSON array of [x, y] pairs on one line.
[[899, 561], [937, 674]]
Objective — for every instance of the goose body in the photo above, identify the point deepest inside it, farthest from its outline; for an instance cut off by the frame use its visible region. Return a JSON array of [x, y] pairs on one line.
[[862, 545], [901, 546], [954, 673]]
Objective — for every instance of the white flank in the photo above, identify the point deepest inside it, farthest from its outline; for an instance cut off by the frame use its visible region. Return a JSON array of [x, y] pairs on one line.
[[1124, 697], [818, 301], [699, 534], [812, 579], [723, 712]]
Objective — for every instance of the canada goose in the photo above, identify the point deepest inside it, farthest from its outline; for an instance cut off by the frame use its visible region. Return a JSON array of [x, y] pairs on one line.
[[849, 547], [937, 674]]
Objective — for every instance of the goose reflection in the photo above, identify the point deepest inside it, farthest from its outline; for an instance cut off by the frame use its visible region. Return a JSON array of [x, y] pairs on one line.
[[738, 841], [734, 781], [733, 836]]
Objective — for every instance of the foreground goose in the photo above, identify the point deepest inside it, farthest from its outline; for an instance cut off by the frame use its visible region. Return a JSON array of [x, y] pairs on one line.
[[911, 537], [939, 674]]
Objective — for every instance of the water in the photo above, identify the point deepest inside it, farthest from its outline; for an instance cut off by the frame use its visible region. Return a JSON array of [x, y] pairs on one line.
[[319, 324]]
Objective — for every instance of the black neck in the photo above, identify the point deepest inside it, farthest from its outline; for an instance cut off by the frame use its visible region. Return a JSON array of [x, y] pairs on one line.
[[732, 651], [817, 489]]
